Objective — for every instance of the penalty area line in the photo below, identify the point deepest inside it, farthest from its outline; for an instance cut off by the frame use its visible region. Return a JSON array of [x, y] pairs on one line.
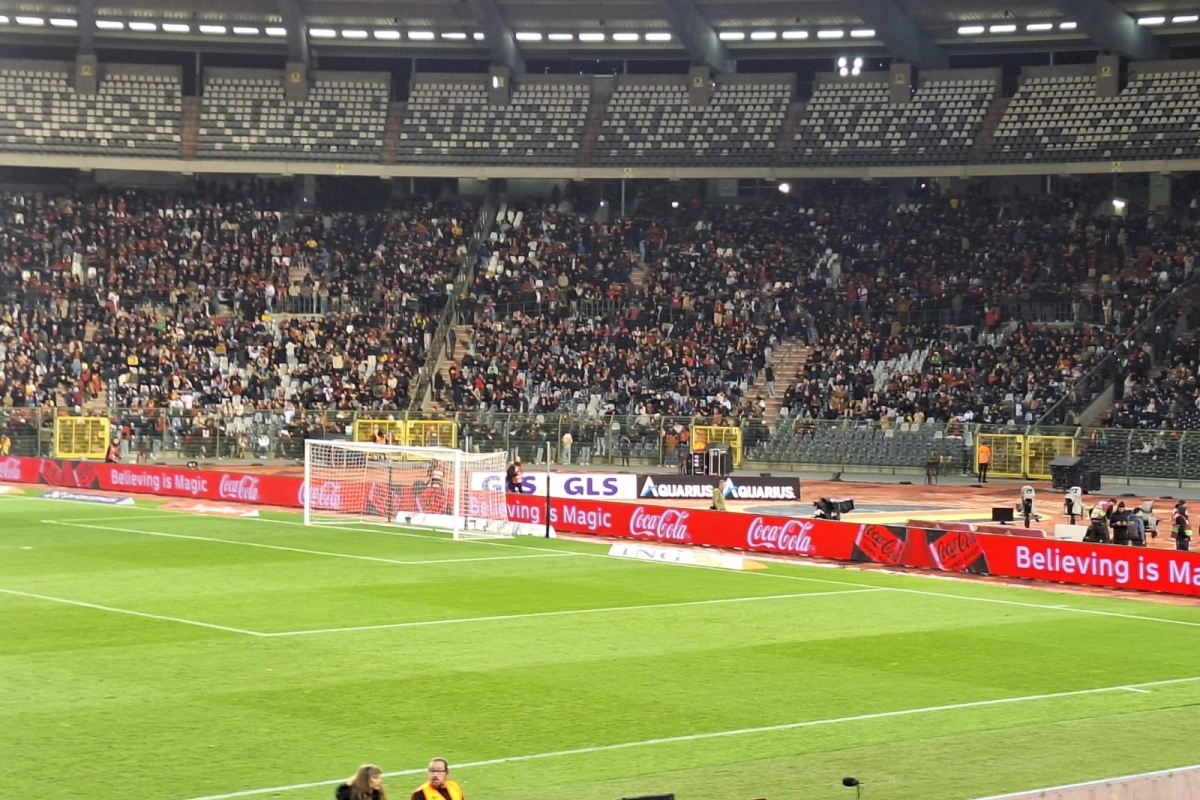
[[696, 737], [131, 613]]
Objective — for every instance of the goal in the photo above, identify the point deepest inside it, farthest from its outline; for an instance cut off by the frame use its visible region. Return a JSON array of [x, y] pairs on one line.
[[437, 488]]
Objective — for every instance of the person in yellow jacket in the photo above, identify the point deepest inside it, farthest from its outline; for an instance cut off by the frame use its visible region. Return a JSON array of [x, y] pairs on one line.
[[438, 787]]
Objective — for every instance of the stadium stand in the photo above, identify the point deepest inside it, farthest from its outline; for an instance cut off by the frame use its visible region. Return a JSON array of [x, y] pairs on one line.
[[448, 120], [135, 111], [142, 295], [1057, 115], [244, 114], [852, 122], [651, 122], [1169, 399]]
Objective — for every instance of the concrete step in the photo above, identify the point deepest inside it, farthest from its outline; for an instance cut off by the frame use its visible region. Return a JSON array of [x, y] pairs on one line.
[[391, 131]]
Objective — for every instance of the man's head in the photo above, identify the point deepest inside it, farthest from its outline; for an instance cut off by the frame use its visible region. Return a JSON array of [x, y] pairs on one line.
[[517, 460], [438, 770]]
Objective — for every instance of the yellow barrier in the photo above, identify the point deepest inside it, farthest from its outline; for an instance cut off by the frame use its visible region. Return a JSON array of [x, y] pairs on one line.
[[81, 437], [704, 435], [413, 432], [1016, 455], [393, 430], [1008, 454], [432, 433], [1041, 450]]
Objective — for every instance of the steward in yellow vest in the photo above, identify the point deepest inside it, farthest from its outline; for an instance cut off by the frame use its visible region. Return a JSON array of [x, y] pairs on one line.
[[438, 787]]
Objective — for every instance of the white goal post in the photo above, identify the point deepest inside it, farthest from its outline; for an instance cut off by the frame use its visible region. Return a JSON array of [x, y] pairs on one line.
[[438, 488]]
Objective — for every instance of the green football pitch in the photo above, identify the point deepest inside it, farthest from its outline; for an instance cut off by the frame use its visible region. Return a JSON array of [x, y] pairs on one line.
[[164, 656]]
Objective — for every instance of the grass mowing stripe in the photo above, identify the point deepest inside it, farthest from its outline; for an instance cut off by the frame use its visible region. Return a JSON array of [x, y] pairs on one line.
[[305, 551], [160, 617], [568, 612], [693, 737]]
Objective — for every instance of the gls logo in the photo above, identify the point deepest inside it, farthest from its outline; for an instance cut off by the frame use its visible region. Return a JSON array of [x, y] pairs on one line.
[[496, 483], [576, 486]]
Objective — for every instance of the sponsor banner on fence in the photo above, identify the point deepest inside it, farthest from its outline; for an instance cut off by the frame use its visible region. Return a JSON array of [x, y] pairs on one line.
[[1078, 563], [699, 487], [595, 485], [211, 509], [79, 497]]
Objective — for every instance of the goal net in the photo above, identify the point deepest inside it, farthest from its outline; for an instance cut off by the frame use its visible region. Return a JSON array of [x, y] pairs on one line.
[[438, 488]]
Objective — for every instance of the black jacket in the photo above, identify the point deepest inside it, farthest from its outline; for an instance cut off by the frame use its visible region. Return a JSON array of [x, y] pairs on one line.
[[342, 792]]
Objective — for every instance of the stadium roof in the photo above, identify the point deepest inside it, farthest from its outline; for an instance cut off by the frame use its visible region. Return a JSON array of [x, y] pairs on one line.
[[704, 30]]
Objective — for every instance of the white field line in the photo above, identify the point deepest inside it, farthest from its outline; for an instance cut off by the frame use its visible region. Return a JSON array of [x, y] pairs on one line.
[[569, 612], [306, 551], [695, 737], [159, 617], [1049, 607], [1136, 689]]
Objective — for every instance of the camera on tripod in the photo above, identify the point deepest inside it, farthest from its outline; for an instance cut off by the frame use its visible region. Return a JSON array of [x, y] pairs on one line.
[[833, 508]]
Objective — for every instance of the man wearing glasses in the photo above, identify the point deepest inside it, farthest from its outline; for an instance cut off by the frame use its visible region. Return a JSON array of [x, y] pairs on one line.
[[438, 787]]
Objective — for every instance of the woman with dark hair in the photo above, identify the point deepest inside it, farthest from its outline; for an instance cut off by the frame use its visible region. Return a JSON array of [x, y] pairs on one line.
[[366, 784]]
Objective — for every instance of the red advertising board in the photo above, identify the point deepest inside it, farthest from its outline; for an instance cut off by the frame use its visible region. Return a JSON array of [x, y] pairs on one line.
[[270, 490], [1108, 566]]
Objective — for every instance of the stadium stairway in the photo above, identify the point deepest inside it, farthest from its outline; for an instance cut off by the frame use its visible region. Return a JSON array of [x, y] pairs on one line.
[[591, 132], [788, 360], [987, 129], [391, 131], [787, 135], [463, 335], [189, 126]]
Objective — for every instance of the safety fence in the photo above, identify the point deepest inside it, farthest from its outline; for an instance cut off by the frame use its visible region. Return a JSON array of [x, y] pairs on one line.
[[940, 448]]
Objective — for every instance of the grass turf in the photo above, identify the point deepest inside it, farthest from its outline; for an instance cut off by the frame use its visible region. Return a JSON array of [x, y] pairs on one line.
[[333, 647]]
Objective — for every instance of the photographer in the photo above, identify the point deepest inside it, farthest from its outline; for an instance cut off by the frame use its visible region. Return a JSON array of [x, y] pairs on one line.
[[1097, 532]]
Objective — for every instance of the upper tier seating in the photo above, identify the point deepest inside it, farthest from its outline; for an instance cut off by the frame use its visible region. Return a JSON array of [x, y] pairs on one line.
[[853, 124], [129, 114], [1062, 119], [249, 118], [654, 124], [455, 124]]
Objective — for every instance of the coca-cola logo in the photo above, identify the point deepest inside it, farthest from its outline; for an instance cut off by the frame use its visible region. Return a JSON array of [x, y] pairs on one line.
[[327, 495], [243, 488], [669, 525], [10, 470], [790, 537]]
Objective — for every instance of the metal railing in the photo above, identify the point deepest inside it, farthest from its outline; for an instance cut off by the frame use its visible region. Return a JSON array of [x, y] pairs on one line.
[[1122, 456]]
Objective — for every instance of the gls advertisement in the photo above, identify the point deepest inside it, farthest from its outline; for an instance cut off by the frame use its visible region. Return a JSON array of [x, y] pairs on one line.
[[596, 485], [699, 487]]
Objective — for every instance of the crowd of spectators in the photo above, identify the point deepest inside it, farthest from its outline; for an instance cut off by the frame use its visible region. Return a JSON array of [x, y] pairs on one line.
[[972, 307], [1166, 398], [1000, 304], [153, 299]]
